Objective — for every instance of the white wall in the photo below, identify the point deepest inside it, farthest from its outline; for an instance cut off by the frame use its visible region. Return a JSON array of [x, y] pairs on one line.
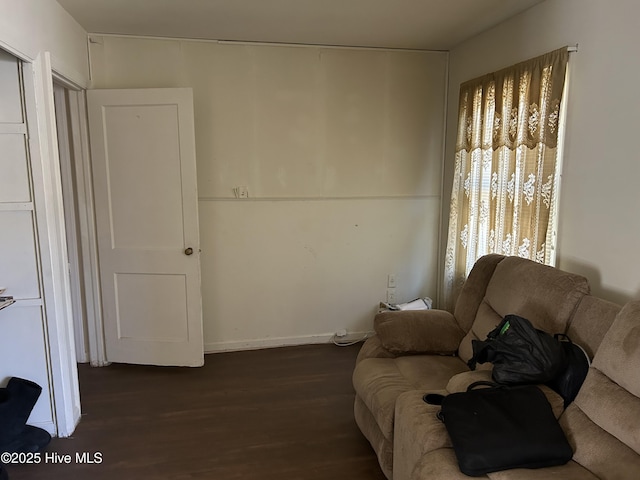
[[599, 229], [29, 27], [341, 150]]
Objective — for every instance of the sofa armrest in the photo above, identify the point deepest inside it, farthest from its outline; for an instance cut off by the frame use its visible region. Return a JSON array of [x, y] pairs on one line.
[[419, 331]]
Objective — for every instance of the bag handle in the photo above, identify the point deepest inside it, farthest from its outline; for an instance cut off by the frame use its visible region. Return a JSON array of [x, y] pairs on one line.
[[561, 337], [433, 398], [485, 383]]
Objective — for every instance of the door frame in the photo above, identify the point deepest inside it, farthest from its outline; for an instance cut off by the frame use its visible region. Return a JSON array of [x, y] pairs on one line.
[[45, 167]]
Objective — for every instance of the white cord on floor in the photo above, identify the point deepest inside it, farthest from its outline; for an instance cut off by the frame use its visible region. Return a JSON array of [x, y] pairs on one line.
[[348, 343]]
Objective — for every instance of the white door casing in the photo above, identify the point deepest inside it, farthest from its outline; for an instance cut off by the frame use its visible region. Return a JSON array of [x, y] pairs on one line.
[[144, 170]]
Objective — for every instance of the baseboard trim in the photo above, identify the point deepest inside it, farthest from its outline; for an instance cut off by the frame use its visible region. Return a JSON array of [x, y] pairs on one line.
[[258, 344]]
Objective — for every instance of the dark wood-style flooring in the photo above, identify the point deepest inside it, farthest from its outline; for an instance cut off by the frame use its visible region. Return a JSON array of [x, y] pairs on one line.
[[283, 413]]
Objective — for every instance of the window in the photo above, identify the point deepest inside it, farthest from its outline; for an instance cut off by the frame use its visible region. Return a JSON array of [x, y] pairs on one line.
[[506, 175]]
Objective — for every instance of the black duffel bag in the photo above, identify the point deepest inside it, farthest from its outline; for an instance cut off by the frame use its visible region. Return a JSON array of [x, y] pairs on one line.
[[501, 428], [520, 353], [569, 381]]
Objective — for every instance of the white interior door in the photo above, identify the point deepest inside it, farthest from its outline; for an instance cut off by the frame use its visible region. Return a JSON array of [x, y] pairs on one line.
[[143, 157]]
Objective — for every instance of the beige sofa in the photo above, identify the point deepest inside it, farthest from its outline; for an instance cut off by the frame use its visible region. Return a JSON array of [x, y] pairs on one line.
[[418, 352]]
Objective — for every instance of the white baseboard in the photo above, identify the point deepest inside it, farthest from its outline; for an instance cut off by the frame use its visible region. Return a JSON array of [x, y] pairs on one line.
[[257, 344]]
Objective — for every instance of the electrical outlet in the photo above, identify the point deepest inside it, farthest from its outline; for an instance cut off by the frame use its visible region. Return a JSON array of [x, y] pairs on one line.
[[391, 280], [391, 295], [341, 333]]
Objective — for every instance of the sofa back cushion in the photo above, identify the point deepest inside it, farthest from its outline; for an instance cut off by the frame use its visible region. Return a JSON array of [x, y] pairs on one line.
[[603, 423], [619, 354], [591, 322], [544, 295], [474, 290]]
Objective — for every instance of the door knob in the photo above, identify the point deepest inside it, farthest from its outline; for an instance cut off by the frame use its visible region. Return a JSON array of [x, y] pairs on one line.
[[188, 251]]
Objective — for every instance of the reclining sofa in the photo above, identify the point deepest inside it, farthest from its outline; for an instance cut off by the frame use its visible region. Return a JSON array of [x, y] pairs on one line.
[[418, 352]]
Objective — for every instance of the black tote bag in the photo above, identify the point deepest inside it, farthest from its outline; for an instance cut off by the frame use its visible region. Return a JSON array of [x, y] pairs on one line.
[[500, 428]]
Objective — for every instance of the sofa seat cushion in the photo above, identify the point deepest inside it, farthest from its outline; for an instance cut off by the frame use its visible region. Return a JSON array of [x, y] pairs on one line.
[[418, 431], [439, 464], [568, 471], [442, 465], [380, 381], [461, 381]]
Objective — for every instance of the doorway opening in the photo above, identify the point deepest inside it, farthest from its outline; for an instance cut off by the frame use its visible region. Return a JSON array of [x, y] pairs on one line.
[[77, 192]]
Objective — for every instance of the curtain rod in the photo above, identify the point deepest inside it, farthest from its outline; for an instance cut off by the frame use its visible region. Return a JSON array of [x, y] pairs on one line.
[[572, 48]]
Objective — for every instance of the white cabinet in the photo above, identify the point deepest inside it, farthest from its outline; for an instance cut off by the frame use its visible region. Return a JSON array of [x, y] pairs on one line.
[[10, 94], [18, 254], [23, 347], [14, 177]]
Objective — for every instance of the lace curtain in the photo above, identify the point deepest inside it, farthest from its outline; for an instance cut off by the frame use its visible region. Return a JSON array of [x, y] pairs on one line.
[[506, 177]]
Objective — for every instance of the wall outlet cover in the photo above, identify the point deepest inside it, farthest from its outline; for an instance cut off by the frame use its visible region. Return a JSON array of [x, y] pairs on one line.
[[391, 295]]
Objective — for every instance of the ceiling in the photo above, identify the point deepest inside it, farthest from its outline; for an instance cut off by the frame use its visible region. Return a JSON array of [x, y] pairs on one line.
[[413, 24]]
